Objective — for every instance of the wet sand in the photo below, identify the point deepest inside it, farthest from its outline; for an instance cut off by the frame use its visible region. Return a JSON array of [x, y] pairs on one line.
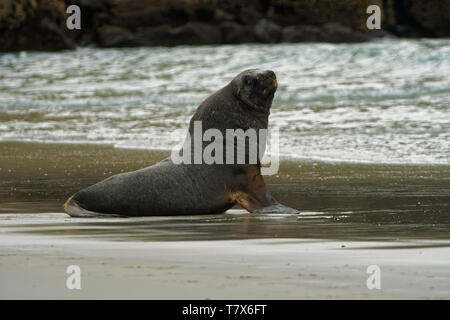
[[353, 216], [33, 265], [40, 177]]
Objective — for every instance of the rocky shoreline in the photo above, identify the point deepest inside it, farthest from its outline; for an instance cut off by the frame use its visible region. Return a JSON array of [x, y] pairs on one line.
[[41, 24]]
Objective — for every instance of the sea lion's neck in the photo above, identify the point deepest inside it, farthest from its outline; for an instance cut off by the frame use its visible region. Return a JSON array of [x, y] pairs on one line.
[[246, 113], [223, 110], [223, 113]]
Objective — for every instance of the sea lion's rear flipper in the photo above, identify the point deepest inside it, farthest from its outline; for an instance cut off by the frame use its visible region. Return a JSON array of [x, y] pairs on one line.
[[74, 209]]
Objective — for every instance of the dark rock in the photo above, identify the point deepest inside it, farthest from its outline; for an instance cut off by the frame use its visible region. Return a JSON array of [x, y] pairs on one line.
[[94, 5], [267, 31], [192, 33], [141, 18], [156, 36], [233, 32], [34, 25], [334, 32], [301, 34], [422, 18], [57, 33], [115, 36], [283, 14], [222, 16], [330, 32], [408, 31], [196, 33], [204, 13], [389, 16], [249, 16], [376, 34], [41, 24], [349, 13], [177, 15]]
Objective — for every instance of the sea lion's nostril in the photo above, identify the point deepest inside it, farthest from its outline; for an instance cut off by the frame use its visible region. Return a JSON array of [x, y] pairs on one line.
[[270, 80], [270, 74]]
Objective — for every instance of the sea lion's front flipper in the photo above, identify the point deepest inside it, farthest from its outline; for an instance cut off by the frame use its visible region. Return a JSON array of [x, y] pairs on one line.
[[270, 205], [276, 207], [255, 198], [264, 204]]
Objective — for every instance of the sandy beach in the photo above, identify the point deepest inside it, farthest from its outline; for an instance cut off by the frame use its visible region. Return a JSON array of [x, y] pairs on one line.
[[353, 216], [39, 177], [33, 265]]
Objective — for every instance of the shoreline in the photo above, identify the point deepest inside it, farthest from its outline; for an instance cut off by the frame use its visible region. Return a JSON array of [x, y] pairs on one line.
[[283, 157], [353, 216]]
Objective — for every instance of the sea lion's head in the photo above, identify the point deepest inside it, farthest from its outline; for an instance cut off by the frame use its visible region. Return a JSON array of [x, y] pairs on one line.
[[255, 88]]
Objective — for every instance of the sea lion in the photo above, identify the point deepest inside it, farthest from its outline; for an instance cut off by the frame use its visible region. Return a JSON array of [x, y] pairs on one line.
[[168, 188]]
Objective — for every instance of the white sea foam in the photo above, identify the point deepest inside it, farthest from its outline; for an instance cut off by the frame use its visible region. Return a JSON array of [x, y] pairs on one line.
[[381, 102]]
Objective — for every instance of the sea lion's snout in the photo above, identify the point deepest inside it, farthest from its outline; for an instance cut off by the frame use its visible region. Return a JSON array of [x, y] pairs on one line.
[[269, 81], [270, 74]]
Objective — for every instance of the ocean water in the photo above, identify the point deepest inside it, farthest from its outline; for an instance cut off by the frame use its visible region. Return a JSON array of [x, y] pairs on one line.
[[381, 102]]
